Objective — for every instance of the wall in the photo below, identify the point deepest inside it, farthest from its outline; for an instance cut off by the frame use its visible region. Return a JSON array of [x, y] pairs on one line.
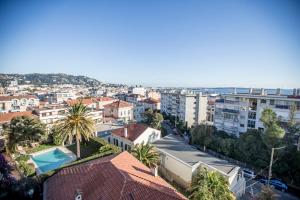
[[150, 135]]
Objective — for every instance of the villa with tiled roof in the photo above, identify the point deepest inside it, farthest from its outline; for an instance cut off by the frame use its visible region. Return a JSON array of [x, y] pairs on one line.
[[110, 178]]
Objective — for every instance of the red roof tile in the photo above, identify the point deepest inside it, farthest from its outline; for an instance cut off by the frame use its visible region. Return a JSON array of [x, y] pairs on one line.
[[8, 98], [118, 104], [105, 99], [7, 117], [113, 177], [133, 131]]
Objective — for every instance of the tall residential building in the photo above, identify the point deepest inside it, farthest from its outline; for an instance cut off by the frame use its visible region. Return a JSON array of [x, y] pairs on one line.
[[190, 108], [236, 113], [18, 103]]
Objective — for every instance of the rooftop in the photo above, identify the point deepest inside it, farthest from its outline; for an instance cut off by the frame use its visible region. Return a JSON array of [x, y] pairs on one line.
[[177, 147], [113, 177], [8, 98], [118, 104], [133, 131], [7, 117]]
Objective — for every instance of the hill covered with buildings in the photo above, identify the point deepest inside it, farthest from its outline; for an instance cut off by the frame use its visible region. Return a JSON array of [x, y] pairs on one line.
[[47, 79]]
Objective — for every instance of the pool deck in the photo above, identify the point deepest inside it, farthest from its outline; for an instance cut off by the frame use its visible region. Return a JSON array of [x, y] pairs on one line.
[[61, 148]]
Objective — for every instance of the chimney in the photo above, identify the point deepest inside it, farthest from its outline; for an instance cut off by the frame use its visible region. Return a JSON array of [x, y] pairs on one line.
[[154, 171], [125, 132], [278, 91]]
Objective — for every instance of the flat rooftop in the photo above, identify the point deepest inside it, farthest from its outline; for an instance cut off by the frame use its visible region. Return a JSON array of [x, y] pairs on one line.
[[177, 147]]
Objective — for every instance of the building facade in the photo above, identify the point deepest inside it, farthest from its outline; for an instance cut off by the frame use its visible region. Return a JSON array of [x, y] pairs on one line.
[[18, 103], [188, 107], [236, 113]]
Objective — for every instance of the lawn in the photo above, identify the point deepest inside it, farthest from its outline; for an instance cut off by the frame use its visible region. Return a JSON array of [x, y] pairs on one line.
[[90, 148]]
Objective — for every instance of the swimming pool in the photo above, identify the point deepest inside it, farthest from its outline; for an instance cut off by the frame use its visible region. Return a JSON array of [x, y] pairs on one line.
[[51, 159]]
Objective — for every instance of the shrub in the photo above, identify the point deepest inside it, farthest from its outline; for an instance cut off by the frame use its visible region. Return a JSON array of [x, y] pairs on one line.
[[27, 169], [23, 158]]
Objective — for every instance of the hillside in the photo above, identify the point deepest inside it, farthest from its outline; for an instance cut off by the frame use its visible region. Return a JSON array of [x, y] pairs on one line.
[[48, 79]]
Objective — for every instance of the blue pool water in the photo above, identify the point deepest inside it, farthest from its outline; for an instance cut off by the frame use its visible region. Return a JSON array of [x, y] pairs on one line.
[[51, 160]]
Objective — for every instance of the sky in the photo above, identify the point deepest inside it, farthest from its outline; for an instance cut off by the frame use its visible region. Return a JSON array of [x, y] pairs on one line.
[[174, 43]]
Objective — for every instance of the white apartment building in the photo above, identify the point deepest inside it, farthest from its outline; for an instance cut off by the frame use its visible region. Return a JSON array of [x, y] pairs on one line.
[[236, 113], [60, 97], [50, 114], [18, 103], [189, 107]]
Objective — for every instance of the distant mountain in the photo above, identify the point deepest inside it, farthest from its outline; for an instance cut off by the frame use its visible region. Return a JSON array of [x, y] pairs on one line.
[[47, 79]]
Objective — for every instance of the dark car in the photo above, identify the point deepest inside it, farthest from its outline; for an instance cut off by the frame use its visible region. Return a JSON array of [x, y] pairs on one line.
[[276, 183]]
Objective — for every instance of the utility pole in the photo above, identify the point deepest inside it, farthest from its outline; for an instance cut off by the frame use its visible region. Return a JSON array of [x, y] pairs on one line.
[[271, 163]]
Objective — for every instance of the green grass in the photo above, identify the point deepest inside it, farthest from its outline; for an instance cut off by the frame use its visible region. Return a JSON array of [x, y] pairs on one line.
[[86, 150], [39, 148]]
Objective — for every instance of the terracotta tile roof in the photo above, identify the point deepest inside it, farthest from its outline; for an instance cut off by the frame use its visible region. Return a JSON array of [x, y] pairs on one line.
[[7, 117], [105, 99], [151, 101], [9, 98], [84, 101], [113, 177], [118, 104], [133, 131]]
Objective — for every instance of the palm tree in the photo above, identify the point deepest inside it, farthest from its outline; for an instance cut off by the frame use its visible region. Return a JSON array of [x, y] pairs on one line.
[[210, 186], [77, 123], [146, 154]]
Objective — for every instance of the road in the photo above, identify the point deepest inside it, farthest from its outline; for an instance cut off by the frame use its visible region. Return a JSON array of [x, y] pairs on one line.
[[256, 188]]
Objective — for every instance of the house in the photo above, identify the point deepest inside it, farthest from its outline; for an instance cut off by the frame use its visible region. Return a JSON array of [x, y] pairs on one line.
[[102, 101], [132, 134], [17, 103], [111, 178], [151, 104], [90, 103], [60, 97], [180, 161], [119, 110]]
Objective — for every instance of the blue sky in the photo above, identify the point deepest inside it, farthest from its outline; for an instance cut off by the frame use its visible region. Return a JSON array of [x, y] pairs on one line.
[[156, 42]]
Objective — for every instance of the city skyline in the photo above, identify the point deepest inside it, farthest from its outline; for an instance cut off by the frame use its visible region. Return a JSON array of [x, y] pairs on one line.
[[175, 44]]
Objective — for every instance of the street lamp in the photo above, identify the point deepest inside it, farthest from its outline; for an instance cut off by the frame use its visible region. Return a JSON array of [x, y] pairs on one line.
[[271, 163]]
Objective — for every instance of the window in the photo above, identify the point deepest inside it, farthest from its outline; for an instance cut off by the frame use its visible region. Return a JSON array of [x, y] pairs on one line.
[[251, 124], [122, 145], [242, 125], [125, 147], [252, 115], [43, 114], [272, 102], [108, 139], [263, 101]]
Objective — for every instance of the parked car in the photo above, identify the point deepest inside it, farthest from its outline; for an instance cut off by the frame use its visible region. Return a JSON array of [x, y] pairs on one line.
[[248, 173], [276, 183]]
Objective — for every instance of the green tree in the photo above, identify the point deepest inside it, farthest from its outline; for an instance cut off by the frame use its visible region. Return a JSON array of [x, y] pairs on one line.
[[146, 154], [293, 127], [210, 186], [77, 123], [251, 149], [24, 129], [273, 133], [153, 118], [268, 117], [203, 135]]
